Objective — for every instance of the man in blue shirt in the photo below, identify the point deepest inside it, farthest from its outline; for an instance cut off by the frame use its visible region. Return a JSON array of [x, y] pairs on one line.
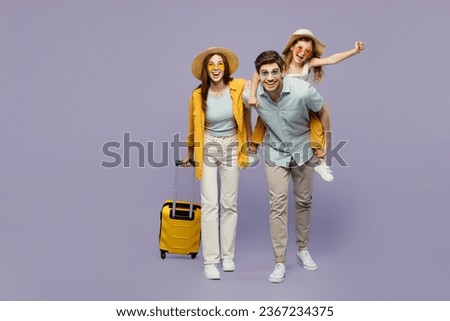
[[283, 106]]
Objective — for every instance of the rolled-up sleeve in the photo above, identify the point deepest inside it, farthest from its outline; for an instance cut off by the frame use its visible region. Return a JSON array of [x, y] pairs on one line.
[[314, 99]]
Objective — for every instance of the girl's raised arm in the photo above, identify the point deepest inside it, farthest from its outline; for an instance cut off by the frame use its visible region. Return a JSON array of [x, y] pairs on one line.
[[337, 57]]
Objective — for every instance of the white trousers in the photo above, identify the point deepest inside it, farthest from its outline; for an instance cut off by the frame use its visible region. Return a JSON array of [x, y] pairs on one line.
[[219, 214]]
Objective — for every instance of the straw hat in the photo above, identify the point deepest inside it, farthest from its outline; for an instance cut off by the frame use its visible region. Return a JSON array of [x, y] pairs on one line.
[[230, 56], [300, 33]]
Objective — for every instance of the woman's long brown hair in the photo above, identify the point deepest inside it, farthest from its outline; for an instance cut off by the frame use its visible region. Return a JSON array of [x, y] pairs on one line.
[[206, 82]]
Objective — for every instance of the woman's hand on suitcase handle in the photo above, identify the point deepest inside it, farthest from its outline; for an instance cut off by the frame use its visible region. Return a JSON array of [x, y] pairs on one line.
[[187, 162]]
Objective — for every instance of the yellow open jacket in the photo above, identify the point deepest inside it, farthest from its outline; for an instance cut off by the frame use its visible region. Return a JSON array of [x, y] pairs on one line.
[[197, 125]]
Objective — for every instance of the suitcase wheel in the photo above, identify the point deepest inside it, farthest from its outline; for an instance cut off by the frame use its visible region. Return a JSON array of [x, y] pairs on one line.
[[193, 255], [163, 254]]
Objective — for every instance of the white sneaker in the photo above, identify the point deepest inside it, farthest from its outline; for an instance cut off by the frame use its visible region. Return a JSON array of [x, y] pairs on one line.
[[228, 265], [210, 271], [278, 273], [306, 260], [324, 171]]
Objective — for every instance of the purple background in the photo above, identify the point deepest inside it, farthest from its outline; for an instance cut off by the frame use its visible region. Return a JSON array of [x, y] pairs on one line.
[[77, 74]]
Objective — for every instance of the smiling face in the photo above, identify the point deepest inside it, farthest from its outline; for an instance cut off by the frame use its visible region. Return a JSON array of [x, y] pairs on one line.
[[216, 68], [302, 50], [271, 77]]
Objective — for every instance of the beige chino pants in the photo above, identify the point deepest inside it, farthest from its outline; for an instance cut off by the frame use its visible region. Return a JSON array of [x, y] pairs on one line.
[[278, 183]]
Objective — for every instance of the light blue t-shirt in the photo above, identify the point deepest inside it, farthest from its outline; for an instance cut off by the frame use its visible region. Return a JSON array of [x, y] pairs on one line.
[[287, 122], [219, 116]]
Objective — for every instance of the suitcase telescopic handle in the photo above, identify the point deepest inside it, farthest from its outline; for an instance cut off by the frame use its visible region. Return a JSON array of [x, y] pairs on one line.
[[180, 163], [175, 187]]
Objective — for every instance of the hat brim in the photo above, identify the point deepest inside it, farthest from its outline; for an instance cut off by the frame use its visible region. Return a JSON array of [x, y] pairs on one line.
[[304, 33], [230, 56]]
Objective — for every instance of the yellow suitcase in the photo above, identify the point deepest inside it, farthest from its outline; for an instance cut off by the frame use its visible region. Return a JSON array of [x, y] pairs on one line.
[[180, 226]]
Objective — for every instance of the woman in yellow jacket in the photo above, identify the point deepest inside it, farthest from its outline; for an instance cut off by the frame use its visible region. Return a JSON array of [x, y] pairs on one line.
[[219, 128]]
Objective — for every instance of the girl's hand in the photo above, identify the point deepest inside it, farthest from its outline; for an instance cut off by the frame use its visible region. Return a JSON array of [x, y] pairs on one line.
[[253, 102], [359, 46]]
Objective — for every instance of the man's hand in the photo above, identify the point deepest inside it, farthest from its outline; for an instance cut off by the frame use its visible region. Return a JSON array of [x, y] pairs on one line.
[[253, 148], [320, 153]]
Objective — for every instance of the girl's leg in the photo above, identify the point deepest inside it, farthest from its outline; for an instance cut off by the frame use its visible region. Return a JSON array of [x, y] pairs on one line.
[[316, 131], [318, 142]]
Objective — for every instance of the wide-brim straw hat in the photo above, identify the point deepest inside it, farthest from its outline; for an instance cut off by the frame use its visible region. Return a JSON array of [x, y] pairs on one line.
[[230, 56], [301, 33]]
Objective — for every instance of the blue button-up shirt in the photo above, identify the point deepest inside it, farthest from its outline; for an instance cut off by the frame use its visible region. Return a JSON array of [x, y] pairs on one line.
[[287, 121]]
